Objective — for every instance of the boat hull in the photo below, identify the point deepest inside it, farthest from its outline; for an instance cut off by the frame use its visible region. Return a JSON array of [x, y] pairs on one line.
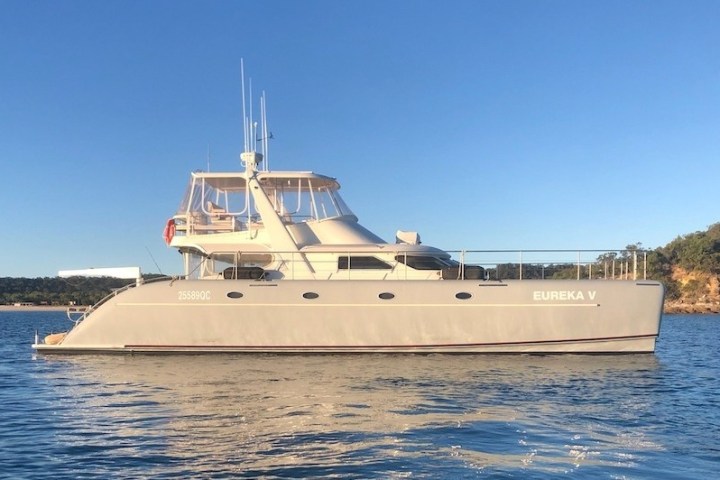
[[353, 316]]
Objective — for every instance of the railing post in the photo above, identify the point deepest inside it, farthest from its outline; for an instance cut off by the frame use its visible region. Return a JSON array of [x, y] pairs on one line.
[[521, 265], [634, 264], [578, 265]]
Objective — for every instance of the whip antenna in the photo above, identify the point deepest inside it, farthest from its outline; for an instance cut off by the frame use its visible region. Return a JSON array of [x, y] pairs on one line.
[[153, 259], [245, 120]]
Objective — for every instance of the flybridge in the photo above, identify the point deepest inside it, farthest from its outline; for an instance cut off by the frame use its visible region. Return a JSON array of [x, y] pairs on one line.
[[222, 202]]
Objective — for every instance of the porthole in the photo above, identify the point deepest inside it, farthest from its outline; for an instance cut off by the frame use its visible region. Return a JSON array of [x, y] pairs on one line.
[[463, 295], [386, 296], [310, 295], [234, 295]]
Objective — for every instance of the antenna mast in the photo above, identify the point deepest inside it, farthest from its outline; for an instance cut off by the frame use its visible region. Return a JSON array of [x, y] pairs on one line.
[[265, 133], [208, 158], [245, 120], [251, 124], [250, 157]]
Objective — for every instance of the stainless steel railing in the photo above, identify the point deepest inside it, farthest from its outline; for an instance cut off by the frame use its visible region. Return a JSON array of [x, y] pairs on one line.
[[497, 264]]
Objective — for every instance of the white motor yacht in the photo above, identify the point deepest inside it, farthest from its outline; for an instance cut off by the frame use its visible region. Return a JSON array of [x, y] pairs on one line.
[[275, 261]]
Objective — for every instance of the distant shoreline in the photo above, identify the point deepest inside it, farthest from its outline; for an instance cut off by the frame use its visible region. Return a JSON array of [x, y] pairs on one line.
[[34, 308]]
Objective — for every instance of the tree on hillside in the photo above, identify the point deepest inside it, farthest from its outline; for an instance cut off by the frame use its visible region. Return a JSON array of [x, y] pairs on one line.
[[714, 231], [659, 267], [696, 251]]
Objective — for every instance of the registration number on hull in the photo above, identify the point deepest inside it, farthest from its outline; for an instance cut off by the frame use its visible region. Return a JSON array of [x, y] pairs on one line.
[[193, 295]]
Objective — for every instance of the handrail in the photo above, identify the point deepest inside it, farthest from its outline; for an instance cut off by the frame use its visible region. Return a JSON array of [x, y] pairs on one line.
[[498, 264], [608, 259], [112, 294]]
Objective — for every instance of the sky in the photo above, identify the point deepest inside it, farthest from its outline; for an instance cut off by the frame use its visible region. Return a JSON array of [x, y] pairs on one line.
[[484, 124]]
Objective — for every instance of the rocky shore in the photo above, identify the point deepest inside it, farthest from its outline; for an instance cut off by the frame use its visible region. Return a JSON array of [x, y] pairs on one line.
[[699, 307]]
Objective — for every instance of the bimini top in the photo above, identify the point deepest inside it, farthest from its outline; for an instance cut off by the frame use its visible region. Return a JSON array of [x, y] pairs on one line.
[[237, 181]]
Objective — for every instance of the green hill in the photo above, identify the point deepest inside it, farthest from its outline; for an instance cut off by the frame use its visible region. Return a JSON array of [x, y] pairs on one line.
[[689, 266]]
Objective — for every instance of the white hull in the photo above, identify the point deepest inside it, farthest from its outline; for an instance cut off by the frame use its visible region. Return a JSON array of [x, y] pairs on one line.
[[276, 261], [528, 316]]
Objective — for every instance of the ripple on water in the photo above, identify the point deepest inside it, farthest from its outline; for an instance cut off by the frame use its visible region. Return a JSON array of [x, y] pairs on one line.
[[364, 416]]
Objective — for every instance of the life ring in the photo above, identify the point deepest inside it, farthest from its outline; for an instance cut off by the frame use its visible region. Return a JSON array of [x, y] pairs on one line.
[[169, 231]]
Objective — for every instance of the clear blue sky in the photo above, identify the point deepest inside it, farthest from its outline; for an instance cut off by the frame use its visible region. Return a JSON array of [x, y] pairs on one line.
[[480, 124]]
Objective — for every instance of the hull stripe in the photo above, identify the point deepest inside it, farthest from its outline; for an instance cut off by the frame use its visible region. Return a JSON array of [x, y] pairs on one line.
[[384, 305], [385, 347]]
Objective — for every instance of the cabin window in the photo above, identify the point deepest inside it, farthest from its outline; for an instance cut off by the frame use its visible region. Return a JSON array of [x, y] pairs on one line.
[[362, 263], [425, 263], [386, 296], [305, 199], [234, 295], [463, 295], [310, 295], [242, 259]]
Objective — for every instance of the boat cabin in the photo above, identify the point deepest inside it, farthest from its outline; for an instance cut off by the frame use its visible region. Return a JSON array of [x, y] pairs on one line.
[[288, 225]]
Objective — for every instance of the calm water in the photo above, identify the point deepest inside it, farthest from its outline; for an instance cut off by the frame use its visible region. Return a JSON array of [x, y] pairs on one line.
[[375, 416]]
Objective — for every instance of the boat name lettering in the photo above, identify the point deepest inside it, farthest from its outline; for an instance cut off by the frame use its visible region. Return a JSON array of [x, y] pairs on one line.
[[185, 295], [549, 295]]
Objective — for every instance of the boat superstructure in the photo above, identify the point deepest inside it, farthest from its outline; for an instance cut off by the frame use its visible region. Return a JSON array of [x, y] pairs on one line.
[[275, 261], [287, 225]]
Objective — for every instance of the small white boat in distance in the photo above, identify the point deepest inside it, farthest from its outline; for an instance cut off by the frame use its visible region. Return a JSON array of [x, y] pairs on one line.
[[116, 272], [275, 261]]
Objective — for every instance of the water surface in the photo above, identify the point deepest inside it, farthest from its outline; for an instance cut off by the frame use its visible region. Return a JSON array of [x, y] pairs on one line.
[[361, 416]]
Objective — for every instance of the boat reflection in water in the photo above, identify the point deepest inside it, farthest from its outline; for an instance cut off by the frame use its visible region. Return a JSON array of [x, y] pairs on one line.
[[266, 415]]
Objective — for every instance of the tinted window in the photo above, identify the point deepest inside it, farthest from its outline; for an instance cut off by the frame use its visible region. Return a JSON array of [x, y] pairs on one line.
[[362, 263], [424, 263]]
